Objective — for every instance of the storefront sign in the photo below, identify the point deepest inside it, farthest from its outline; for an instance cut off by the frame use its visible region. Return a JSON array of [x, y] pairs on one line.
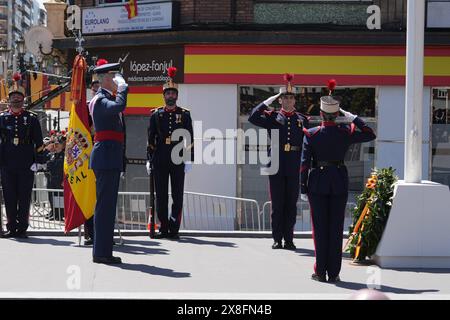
[[151, 16], [143, 66]]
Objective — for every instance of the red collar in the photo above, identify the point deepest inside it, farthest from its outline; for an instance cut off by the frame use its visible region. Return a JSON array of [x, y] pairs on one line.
[[287, 114], [328, 124], [16, 113], [170, 110]]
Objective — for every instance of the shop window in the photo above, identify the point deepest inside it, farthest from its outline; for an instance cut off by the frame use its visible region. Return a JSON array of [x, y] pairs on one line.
[[440, 136]]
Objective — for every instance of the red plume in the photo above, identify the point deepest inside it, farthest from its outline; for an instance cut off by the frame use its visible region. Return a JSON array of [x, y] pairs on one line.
[[288, 77], [52, 132], [172, 71], [101, 62], [331, 84], [17, 76]]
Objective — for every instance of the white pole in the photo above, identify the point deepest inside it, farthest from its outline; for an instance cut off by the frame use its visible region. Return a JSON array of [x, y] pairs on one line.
[[414, 90]]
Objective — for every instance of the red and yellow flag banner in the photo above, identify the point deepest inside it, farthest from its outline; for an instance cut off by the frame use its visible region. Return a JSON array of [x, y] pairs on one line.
[[3, 90], [79, 182], [141, 100], [311, 64], [132, 8]]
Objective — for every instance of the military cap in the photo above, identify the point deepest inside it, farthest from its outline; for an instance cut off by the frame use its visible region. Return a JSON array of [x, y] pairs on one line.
[[329, 103], [16, 87], [288, 88], [103, 66], [170, 84]]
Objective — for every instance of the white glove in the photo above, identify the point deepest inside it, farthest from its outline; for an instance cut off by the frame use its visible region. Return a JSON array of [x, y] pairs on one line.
[[122, 175], [348, 115], [187, 166], [148, 167], [304, 197], [37, 166], [120, 81], [271, 99]]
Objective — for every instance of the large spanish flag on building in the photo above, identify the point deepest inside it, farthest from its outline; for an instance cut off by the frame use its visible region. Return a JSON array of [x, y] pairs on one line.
[[311, 64], [79, 182]]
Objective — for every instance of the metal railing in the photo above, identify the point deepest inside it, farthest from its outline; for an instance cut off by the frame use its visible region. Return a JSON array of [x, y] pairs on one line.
[[201, 211], [303, 216]]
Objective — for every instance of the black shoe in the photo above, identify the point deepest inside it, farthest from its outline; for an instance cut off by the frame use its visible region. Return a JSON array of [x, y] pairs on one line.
[[9, 234], [174, 236], [88, 242], [289, 245], [277, 245], [162, 235], [316, 277], [107, 260], [22, 235], [334, 279]]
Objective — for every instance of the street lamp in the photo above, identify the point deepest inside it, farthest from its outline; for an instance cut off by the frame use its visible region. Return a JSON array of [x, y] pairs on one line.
[[57, 68]]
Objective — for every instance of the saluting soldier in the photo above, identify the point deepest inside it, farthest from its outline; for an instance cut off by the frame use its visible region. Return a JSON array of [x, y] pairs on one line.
[[165, 124], [324, 181], [285, 183], [107, 158], [89, 224], [21, 149]]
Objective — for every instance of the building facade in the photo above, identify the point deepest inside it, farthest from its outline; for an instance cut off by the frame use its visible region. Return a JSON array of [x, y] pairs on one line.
[[231, 55]]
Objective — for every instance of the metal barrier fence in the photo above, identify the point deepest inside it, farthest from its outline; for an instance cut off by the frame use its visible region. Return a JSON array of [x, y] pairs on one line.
[[303, 216], [201, 211]]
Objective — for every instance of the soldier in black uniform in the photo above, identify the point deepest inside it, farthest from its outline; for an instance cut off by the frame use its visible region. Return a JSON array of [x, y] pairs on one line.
[[20, 149], [164, 123], [284, 184], [324, 180]]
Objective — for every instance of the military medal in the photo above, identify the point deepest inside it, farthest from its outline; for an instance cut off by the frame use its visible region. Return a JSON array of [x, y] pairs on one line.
[[24, 121], [299, 123], [287, 147], [168, 140], [16, 141], [178, 118]]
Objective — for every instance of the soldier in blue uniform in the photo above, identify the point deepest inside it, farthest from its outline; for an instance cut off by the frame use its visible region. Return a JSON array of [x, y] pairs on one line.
[[89, 224], [324, 181], [165, 122], [107, 158], [284, 184], [20, 149]]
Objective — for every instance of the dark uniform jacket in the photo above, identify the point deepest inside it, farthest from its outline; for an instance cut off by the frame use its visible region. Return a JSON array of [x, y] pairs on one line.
[[107, 116], [162, 125], [329, 143], [290, 128], [21, 140]]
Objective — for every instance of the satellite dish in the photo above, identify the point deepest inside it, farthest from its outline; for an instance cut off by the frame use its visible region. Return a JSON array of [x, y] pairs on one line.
[[36, 36]]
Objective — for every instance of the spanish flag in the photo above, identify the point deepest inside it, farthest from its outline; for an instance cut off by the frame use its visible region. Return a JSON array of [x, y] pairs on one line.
[[132, 8], [79, 181]]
